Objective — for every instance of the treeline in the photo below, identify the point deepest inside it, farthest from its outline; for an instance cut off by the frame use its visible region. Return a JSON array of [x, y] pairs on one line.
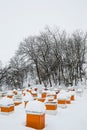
[[51, 57]]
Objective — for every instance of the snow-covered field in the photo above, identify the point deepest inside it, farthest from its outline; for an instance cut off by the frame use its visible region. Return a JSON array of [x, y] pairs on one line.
[[74, 117]]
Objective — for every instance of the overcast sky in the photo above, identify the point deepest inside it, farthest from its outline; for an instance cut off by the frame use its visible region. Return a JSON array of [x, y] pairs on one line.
[[22, 18]]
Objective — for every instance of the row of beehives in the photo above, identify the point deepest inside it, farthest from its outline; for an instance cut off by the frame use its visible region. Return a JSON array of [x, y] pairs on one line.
[[35, 109], [50, 98], [59, 96]]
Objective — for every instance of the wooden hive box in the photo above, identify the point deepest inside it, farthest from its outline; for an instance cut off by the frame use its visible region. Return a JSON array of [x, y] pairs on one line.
[[16, 103], [17, 100], [62, 100], [15, 92], [6, 105], [51, 107], [35, 115], [34, 94], [10, 96], [68, 99], [41, 99], [7, 109], [72, 93], [36, 121], [28, 97], [72, 97], [43, 95]]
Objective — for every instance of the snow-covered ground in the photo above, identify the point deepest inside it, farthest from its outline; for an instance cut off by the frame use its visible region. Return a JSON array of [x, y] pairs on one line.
[[74, 117]]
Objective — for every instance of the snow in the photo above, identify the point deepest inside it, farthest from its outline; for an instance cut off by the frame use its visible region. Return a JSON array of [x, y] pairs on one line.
[[71, 92], [34, 92], [35, 107], [51, 92], [27, 97], [72, 118], [62, 96], [79, 90], [6, 101], [9, 93]]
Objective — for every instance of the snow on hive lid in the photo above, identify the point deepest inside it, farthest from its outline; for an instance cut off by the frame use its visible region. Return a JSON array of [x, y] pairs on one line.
[[27, 97], [9, 93], [14, 90], [71, 92], [44, 91], [62, 96], [6, 101], [34, 92], [35, 107], [62, 91], [51, 93]]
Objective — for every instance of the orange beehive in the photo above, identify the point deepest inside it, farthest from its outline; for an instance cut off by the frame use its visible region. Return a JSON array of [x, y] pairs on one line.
[[50, 100], [15, 92], [36, 121], [41, 99], [35, 114], [29, 90], [68, 101], [10, 96], [68, 98], [6, 105], [62, 97], [51, 106], [61, 101], [44, 94], [34, 93], [28, 97], [72, 97], [53, 95], [7, 109], [17, 103]]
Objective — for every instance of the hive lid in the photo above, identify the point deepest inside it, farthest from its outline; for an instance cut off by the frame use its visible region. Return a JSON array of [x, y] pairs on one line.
[[6, 102], [62, 96], [35, 107], [28, 97]]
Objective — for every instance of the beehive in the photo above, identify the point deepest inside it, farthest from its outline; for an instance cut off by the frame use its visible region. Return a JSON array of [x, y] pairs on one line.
[[51, 107], [62, 100], [17, 99], [35, 115], [72, 93], [34, 93], [41, 99], [28, 97], [10, 94], [6, 105], [43, 94]]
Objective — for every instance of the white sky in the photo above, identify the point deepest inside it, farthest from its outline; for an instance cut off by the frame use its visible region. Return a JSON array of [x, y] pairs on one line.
[[21, 18]]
